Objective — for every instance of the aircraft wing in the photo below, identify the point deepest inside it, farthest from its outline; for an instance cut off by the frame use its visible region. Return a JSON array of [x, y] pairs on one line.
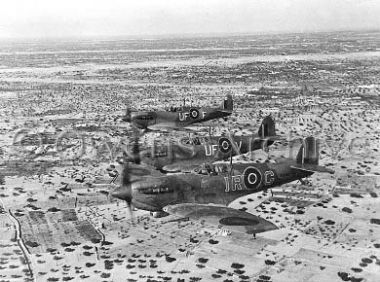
[[223, 111], [221, 216], [273, 138], [143, 170], [168, 127], [312, 168], [180, 167], [196, 127]]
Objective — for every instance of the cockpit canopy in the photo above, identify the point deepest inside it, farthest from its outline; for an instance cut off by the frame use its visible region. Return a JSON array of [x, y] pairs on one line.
[[159, 151], [213, 169], [144, 117], [174, 109], [197, 140]]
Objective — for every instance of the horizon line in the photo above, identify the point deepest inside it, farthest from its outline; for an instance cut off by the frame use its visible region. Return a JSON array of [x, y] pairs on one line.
[[185, 35]]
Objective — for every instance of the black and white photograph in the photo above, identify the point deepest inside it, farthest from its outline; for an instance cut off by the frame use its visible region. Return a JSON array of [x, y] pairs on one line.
[[190, 140]]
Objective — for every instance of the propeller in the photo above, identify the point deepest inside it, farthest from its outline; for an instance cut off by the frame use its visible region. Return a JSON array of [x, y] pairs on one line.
[[126, 178], [235, 147], [127, 188], [124, 192], [136, 147]]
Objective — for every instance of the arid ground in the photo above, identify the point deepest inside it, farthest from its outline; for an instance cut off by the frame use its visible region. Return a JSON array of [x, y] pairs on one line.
[[60, 103]]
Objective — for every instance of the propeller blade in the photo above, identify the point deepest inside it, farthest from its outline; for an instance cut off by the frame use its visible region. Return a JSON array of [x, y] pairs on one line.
[[109, 196], [125, 176], [136, 148], [125, 191], [130, 210], [233, 143]]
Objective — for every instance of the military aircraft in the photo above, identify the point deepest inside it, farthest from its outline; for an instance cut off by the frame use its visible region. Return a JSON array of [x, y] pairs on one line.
[[178, 117], [189, 152], [200, 195]]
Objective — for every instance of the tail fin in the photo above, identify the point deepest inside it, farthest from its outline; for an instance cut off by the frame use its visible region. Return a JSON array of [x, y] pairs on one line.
[[267, 128], [308, 157], [309, 151], [228, 103], [127, 117]]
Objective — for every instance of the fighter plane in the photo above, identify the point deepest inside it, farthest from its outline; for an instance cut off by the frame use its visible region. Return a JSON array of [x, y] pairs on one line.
[[206, 193], [190, 152], [178, 117]]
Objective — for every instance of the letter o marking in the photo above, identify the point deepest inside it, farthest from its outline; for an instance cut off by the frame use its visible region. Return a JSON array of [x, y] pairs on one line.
[[224, 145], [194, 113], [252, 178]]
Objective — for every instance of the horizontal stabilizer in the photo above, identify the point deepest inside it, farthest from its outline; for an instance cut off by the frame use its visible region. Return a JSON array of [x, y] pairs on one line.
[[312, 168], [271, 138], [223, 111], [169, 127]]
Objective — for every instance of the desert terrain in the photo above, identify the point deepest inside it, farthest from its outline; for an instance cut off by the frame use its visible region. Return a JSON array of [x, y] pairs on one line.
[[60, 103]]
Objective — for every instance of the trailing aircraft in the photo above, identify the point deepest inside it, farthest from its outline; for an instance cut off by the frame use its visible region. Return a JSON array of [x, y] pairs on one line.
[[190, 152], [206, 193], [178, 118]]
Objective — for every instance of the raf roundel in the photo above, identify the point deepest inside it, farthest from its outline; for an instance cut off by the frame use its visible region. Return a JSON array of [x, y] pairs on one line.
[[224, 145], [194, 113], [252, 178]]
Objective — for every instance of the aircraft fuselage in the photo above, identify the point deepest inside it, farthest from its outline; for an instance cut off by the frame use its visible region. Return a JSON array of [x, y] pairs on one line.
[[221, 186], [176, 119], [183, 156]]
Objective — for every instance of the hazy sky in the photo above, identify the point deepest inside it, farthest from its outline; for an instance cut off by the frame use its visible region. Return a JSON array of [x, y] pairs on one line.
[[53, 18]]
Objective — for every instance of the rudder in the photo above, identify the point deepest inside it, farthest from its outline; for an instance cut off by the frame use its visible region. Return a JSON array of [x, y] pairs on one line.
[[309, 151], [228, 103], [267, 127]]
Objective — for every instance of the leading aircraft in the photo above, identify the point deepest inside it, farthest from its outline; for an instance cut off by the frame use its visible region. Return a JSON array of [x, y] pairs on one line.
[[178, 118], [206, 193], [190, 152]]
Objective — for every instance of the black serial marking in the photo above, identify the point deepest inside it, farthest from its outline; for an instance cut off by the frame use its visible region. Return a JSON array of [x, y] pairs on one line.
[[252, 178], [156, 190]]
